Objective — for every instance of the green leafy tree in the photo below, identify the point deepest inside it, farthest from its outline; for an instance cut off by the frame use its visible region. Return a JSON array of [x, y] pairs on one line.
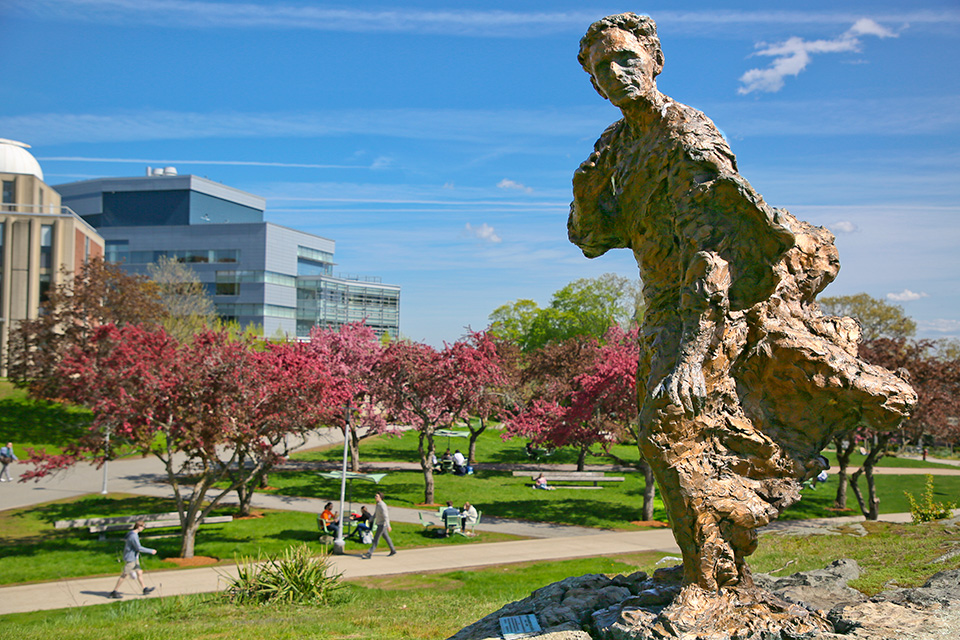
[[878, 319], [512, 321], [587, 307]]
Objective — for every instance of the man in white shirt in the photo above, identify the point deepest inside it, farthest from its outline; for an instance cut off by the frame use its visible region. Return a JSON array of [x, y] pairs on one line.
[[381, 520], [459, 463]]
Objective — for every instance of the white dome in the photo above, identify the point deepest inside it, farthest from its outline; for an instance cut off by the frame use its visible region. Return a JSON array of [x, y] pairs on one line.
[[14, 158]]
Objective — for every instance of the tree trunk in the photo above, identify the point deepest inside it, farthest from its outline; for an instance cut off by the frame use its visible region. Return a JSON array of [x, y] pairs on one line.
[[843, 462], [582, 457], [354, 449], [649, 490], [244, 497], [188, 539], [472, 447], [871, 510], [426, 455]]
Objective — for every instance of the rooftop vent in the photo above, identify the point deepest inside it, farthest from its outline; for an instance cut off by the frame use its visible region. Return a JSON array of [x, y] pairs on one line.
[[161, 171]]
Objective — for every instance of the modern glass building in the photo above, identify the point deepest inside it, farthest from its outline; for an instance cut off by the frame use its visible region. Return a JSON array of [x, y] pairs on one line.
[[257, 272]]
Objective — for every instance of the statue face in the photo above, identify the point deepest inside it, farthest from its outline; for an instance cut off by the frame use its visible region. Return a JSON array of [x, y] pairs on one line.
[[623, 69]]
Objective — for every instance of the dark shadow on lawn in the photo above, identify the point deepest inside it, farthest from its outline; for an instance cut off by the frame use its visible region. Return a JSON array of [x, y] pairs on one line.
[[40, 422], [579, 512]]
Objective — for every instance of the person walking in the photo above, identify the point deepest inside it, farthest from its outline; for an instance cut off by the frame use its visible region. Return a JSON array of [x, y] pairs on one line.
[[7, 456], [131, 559], [381, 519]]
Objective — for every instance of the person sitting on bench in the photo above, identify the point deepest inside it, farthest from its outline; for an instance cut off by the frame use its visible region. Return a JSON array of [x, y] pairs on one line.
[[328, 519]]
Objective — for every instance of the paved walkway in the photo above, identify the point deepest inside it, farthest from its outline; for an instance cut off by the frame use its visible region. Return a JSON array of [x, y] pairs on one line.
[[143, 476]]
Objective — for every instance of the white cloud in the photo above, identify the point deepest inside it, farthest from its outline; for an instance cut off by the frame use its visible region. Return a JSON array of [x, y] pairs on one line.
[[868, 27], [483, 232], [303, 15], [462, 125], [940, 325], [792, 56], [510, 184], [843, 226], [906, 296]]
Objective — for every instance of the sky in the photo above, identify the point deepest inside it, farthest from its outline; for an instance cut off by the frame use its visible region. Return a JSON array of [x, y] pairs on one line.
[[435, 141]]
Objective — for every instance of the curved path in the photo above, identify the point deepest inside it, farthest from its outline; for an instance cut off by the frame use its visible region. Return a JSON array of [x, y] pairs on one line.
[[144, 476]]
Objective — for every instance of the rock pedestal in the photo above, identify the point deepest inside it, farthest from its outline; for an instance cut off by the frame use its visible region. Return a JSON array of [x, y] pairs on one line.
[[815, 605]]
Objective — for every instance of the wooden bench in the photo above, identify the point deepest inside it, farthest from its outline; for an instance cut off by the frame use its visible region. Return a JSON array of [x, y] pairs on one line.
[[596, 477], [124, 523]]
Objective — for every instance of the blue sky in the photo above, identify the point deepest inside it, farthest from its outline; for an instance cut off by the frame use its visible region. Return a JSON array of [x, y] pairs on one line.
[[435, 141]]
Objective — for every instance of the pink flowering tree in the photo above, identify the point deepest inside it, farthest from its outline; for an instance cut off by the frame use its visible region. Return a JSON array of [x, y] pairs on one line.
[[426, 388], [596, 405], [479, 387], [211, 409], [352, 353]]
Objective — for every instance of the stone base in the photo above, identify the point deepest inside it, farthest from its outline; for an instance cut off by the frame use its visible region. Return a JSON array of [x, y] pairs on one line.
[[735, 614], [812, 605]]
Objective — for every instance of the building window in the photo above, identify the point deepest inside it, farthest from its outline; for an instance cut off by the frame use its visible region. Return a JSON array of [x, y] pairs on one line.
[[44, 287], [9, 194], [227, 284], [226, 255], [227, 289], [117, 251], [46, 246], [3, 226]]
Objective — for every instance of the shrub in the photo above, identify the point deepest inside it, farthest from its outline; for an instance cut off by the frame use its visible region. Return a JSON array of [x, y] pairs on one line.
[[927, 510], [294, 576]]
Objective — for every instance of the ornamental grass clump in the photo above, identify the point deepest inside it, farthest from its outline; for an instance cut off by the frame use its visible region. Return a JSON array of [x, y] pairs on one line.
[[294, 576], [926, 510]]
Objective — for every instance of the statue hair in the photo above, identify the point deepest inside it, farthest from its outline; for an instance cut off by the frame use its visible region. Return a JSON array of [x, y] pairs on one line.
[[643, 27]]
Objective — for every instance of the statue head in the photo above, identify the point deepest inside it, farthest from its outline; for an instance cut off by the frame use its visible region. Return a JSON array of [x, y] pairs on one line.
[[623, 57]]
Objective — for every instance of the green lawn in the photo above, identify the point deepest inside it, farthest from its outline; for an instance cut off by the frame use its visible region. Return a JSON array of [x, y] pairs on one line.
[[29, 423], [433, 606], [495, 493], [34, 551], [887, 461], [491, 448], [614, 507]]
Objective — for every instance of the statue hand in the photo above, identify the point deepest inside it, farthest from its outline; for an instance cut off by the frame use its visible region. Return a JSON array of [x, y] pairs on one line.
[[685, 387]]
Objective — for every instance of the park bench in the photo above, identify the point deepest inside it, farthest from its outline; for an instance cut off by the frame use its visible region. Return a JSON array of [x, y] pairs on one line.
[[564, 477], [124, 523]]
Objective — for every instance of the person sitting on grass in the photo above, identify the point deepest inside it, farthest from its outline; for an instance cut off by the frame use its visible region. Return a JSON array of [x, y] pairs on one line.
[[131, 559], [459, 464], [329, 519], [541, 483]]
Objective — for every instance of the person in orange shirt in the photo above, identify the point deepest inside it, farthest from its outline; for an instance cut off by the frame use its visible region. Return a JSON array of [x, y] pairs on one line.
[[329, 518]]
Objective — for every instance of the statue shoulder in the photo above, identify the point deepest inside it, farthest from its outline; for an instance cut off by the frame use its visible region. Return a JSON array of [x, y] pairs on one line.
[[606, 145], [700, 137]]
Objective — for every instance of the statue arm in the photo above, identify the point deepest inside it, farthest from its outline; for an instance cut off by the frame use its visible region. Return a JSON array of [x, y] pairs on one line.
[[595, 219], [703, 300]]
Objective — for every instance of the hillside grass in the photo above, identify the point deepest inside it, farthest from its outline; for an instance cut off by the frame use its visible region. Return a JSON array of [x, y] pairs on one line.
[[434, 606], [33, 551]]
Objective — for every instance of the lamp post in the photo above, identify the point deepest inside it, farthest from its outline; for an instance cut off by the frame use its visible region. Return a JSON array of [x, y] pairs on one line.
[[106, 463], [338, 543]]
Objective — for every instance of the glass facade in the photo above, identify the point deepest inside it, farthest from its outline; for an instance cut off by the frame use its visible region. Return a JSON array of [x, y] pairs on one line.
[[332, 302], [118, 251], [256, 272]]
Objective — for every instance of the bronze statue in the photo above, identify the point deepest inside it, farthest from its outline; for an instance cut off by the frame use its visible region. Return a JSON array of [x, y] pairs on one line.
[[742, 379]]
